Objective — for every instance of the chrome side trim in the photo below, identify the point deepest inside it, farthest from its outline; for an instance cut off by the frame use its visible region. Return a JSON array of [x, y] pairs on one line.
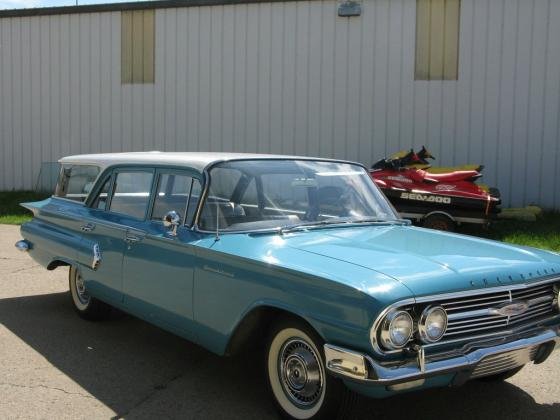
[[341, 362]]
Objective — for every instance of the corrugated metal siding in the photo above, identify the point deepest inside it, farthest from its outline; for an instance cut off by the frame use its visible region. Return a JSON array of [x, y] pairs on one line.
[[291, 78]]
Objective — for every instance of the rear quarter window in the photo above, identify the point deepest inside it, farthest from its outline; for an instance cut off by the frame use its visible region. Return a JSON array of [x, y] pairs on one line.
[[76, 181]]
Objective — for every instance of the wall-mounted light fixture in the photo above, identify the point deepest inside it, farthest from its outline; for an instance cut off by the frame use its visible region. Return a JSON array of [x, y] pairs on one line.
[[350, 8]]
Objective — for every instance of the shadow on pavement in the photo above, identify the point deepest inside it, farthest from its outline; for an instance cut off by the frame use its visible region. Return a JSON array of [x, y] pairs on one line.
[[140, 371]]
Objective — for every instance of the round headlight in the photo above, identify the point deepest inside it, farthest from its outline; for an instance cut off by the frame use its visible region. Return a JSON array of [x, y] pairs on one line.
[[557, 290], [396, 330], [433, 323]]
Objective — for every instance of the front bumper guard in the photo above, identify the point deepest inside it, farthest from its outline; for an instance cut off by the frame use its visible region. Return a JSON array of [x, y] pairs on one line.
[[362, 368]]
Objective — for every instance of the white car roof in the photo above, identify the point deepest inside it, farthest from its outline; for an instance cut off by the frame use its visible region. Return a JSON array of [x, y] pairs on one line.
[[195, 160]]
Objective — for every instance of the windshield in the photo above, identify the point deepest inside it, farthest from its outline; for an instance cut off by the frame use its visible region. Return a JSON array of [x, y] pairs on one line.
[[268, 194]]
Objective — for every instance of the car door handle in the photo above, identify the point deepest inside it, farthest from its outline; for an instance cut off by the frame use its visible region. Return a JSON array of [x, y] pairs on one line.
[[88, 227], [131, 238]]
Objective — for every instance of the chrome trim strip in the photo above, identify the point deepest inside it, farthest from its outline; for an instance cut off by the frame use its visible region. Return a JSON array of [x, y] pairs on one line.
[[337, 357]]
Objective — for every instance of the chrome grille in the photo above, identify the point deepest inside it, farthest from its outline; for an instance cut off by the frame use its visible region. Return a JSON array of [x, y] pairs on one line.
[[473, 314], [502, 362]]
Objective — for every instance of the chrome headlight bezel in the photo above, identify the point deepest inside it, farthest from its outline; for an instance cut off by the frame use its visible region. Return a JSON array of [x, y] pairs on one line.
[[385, 336], [423, 324], [557, 297]]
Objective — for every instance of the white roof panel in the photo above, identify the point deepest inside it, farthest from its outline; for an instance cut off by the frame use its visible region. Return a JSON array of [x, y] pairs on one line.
[[194, 160]]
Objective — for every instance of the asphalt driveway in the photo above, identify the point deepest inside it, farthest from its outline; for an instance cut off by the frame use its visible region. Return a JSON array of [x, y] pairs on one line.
[[55, 365]]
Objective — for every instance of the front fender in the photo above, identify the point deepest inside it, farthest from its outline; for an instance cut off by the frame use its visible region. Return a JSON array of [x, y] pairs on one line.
[[228, 288], [261, 313]]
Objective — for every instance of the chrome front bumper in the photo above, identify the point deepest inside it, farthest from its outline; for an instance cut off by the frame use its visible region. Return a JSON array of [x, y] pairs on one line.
[[535, 346]]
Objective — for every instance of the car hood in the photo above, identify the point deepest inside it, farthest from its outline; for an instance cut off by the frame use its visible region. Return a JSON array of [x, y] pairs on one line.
[[427, 261]]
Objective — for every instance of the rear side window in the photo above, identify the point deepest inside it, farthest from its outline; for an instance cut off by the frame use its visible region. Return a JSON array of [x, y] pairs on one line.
[[131, 193], [76, 181]]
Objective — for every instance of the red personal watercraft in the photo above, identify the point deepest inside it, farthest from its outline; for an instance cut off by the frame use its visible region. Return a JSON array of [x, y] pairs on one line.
[[436, 199]]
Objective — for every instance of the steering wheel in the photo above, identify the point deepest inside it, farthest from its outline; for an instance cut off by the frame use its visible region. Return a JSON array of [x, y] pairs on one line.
[[329, 195]]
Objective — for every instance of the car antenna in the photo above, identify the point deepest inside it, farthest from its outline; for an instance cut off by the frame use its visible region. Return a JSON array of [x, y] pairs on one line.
[[217, 238]]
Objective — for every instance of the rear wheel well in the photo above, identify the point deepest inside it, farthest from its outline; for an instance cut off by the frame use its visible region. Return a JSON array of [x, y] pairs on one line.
[[252, 331], [55, 264]]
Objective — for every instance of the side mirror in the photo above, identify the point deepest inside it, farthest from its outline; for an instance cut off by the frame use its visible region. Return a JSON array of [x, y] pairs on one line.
[[172, 220]]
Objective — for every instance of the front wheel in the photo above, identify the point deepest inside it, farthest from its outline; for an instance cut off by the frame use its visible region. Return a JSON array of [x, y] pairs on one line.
[[85, 305], [297, 377]]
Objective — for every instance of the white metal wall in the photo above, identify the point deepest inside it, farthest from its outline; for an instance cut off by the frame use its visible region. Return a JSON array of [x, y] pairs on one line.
[[291, 78]]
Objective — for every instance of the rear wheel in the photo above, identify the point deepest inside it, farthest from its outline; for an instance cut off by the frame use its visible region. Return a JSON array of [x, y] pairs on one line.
[[297, 376], [439, 222], [85, 305], [499, 377]]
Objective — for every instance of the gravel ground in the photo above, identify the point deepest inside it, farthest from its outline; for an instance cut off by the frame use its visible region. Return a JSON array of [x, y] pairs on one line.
[[55, 365]]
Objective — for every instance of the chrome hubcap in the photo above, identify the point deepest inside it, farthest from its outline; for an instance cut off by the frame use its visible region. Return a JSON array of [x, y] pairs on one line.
[[83, 296], [301, 372]]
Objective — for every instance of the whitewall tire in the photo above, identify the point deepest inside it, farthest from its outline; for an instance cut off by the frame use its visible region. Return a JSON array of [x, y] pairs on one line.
[[85, 305], [298, 380]]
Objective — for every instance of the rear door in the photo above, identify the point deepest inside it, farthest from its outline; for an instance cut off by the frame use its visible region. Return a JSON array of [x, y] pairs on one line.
[[118, 208], [158, 268]]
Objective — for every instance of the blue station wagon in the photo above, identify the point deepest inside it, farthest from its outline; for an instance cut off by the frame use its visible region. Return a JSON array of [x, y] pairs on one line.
[[302, 255]]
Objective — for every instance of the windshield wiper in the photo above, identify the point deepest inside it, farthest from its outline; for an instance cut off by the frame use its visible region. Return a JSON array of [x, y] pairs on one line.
[[390, 221], [297, 226], [319, 223]]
